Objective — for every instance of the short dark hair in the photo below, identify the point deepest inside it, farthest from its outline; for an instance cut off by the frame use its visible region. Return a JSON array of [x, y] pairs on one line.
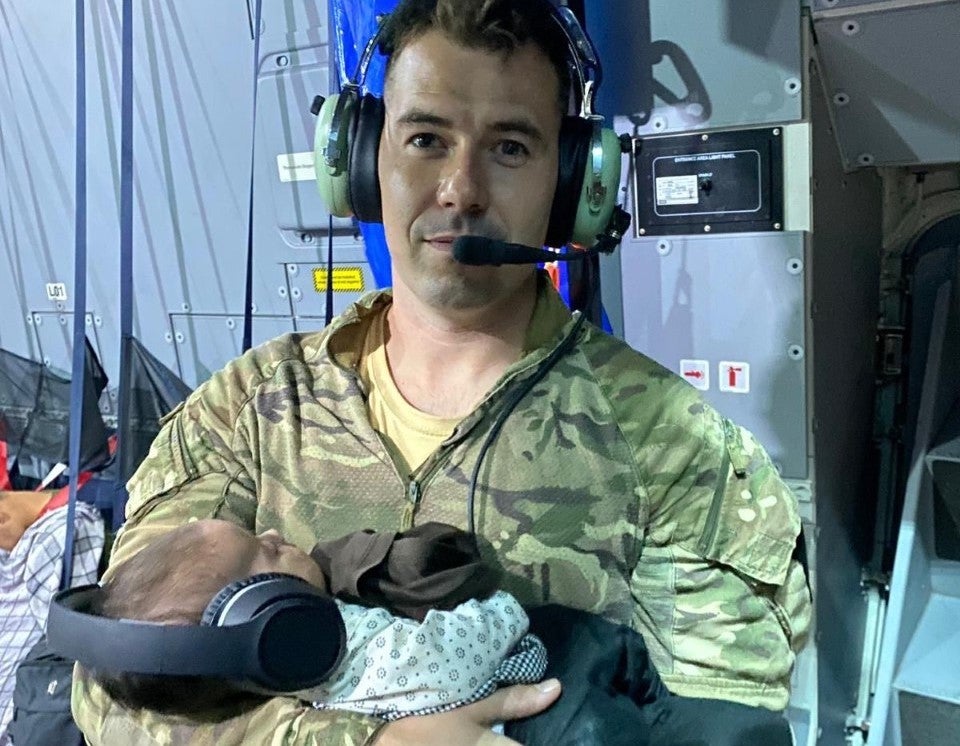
[[492, 25], [169, 582]]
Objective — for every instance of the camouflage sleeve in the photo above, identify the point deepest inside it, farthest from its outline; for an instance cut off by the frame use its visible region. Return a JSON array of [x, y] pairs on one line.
[[189, 473], [721, 602], [279, 722]]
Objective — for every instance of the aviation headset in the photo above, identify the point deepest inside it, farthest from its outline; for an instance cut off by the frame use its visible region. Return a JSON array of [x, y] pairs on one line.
[[349, 126], [270, 633]]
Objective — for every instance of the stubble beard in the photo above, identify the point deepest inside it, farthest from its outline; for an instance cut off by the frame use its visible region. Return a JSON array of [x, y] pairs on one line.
[[445, 284]]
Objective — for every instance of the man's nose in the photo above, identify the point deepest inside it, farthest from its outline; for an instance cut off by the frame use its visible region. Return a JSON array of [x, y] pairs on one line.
[[464, 187]]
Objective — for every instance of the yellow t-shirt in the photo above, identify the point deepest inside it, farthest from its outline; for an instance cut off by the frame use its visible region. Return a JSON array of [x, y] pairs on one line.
[[410, 433]]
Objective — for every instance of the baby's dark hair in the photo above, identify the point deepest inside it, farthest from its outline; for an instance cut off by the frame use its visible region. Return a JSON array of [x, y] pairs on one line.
[[169, 582]]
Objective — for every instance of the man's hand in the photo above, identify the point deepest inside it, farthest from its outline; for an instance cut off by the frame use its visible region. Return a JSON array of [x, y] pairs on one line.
[[471, 725]]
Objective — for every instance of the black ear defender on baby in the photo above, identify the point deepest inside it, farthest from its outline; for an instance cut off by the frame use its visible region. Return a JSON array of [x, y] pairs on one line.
[[271, 634], [349, 126]]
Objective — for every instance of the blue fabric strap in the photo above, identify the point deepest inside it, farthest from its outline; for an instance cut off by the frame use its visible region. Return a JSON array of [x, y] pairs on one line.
[[79, 293], [126, 256], [248, 296]]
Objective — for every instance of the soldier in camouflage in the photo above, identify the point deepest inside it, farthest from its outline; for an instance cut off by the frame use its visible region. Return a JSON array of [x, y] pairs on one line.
[[611, 487]]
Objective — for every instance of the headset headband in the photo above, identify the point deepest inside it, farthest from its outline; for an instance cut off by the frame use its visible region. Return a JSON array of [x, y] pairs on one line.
[[77, 633], [581, 53], [254, 652]]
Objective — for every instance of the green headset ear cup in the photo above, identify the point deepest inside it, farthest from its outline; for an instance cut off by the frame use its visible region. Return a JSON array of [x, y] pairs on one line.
[[595, 209], [333, 180]]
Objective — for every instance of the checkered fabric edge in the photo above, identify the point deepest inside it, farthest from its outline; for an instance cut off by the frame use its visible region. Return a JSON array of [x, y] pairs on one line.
[[526, 664]]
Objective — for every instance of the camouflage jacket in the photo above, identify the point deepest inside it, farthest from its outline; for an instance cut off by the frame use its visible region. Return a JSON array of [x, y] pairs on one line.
[[612, 487]]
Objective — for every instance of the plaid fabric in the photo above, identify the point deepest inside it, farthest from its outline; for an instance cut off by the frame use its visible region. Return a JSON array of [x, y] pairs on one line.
[[29, 576]]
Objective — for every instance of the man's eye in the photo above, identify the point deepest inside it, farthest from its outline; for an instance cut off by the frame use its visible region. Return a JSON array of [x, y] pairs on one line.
[[424, 140], [513, 150]]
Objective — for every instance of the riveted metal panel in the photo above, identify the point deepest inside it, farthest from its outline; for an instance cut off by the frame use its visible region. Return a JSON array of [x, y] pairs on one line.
[[205, 343], [728, 299], [890, 70], [686, 65]]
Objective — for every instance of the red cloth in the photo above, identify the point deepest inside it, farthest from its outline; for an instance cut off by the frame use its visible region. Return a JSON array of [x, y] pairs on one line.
[[62, 496], [4, 475]]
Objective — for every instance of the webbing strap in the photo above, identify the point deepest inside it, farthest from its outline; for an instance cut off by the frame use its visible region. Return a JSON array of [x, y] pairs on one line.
[[328, 315], [79, 292], [126, 257], [248, 295]]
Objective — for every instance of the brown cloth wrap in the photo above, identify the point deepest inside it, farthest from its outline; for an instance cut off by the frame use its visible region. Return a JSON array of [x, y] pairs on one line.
[[432, 566]]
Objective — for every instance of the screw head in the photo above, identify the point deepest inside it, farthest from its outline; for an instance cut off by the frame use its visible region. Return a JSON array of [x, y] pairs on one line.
[[850, 27]]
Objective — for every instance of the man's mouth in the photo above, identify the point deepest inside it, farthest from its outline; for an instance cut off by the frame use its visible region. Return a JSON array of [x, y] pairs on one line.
[[443, 242]]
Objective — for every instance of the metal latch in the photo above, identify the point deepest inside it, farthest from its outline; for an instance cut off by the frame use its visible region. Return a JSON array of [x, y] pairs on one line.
[[889, 361]]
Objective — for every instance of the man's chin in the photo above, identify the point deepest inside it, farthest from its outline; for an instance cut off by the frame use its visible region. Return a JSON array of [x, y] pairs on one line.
[[457, 292]]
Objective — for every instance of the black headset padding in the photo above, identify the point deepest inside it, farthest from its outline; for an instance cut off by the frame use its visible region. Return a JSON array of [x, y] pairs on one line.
[[364, 181], [212, 613], [576, 134], [297, 615]]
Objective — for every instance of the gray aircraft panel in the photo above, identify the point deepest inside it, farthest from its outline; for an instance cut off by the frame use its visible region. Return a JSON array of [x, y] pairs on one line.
[[735, 299], [892, 104], [206, 342], [688, 65]]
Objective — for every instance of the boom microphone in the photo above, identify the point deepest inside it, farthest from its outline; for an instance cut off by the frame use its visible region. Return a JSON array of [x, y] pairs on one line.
[[480, 250]]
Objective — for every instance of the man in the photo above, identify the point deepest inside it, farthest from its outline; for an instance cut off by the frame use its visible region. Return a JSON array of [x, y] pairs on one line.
[[33, 527], [611, 487]]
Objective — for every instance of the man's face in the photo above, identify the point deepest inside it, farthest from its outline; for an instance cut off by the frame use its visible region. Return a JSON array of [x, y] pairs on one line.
[[469, 146], [10, 529], [12, 523]]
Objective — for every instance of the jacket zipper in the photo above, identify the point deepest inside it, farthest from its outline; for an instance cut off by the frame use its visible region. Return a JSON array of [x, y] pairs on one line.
[[414, 494], [713, 517]]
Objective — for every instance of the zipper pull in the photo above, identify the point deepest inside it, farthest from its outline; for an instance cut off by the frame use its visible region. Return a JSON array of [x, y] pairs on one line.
[[413, 500], [739, 459]]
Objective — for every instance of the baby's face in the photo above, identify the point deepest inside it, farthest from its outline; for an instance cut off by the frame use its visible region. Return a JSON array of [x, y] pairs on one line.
[[247, 554]]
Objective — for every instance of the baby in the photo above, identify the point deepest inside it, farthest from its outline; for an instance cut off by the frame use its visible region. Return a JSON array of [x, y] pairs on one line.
[[440, 597], [449, 655]]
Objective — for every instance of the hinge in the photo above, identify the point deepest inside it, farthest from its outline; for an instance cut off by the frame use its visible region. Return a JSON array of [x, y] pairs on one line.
[[889, 352], [856, 731]]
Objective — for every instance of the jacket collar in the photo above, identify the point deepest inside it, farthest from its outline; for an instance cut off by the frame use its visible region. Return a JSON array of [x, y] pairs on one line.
[[549, 324]]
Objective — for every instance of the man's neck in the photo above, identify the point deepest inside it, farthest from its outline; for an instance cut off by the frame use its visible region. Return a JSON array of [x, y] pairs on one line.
[[444, 362]]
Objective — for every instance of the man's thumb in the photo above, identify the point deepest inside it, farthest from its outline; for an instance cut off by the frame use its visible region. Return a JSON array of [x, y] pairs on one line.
[[519, 701]]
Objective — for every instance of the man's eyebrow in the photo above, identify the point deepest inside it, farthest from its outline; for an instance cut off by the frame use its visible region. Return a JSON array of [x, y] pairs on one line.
[[419, 116], [521, 126], [423, 117]]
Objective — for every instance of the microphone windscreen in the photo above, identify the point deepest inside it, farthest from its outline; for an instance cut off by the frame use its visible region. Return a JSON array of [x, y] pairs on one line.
[[479, 250]]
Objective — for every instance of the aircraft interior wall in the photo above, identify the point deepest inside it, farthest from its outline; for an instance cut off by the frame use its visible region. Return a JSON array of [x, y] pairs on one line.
[[779, 325]]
